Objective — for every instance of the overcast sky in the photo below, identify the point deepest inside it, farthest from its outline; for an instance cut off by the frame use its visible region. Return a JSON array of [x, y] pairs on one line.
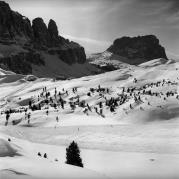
[[96, 23]]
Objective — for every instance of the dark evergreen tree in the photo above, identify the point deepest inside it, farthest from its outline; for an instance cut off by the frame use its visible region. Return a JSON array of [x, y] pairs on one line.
[[73, 155]]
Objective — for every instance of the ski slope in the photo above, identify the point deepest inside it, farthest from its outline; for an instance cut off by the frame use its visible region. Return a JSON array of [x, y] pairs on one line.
[[138, 140]]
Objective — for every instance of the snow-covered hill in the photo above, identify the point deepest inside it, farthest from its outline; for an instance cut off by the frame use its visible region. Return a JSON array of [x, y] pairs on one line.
[[156, 62], [22, 164], [128, 127], [108, 61]]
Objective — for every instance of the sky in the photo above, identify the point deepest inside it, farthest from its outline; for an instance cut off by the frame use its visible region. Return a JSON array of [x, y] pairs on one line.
[[95, 24]]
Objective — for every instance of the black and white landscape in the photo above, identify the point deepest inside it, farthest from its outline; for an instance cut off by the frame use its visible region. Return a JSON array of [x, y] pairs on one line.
[[110, 114]]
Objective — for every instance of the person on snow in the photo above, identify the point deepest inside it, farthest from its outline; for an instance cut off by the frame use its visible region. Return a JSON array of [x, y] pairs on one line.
[[28, 117], [57, 119], [45, 155], [39, 154]]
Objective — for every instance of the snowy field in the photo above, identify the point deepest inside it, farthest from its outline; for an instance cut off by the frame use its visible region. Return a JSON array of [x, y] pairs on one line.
[[136, 139]]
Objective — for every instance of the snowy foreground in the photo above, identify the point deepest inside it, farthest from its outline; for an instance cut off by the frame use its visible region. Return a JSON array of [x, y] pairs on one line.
[[138, 140]]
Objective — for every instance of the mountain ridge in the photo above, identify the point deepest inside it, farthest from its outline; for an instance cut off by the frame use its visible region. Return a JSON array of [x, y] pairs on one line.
[[23, 44], [138, 49], [129, 50]]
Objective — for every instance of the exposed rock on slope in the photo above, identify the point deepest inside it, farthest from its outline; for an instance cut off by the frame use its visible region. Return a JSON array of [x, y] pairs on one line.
[[53, 32], [21, 62], [129, 51], [107, 61], [13, 23], [22, 44], [41, 34], [139, 49]]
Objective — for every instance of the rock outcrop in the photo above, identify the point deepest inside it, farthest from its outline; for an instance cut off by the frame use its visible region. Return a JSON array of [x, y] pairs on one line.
[[41, 35], [33, 40], [13, 24], [136, 50], [53, 32], [22, 62]]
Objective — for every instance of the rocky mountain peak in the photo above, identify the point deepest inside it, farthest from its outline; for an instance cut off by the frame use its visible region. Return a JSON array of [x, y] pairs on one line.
[[41, 35], [4, 6], [13, 24], [53, 29], [139, 49], [53, 32], [20, 41]]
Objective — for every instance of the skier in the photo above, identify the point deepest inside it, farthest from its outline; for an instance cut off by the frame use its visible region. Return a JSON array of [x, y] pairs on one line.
[[39, 154], [57, 119], [45, 155], [7, 116], [28, 117]]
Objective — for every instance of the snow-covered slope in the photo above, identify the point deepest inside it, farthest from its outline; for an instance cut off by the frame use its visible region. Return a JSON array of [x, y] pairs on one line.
[[17, 161], [108, 61], [156, 62], [56, 68], [138, 140], [4, 72]]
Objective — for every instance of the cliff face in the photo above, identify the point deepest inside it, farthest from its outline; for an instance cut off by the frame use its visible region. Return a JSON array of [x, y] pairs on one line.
[[13, 24], [17, 32], [139, 49]]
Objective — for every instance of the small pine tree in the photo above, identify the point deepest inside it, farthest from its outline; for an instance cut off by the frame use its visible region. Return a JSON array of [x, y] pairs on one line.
[[73, 155]]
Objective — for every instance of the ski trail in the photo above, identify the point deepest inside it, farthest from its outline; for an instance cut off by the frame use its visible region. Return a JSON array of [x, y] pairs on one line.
[[21, 88]]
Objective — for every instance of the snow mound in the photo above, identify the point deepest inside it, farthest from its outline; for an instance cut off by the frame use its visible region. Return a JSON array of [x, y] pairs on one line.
[[108, 60], [30, 78], [29, 165], [6, 150], [4, 72], [10, 78], [153, 63], [11, 174]]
